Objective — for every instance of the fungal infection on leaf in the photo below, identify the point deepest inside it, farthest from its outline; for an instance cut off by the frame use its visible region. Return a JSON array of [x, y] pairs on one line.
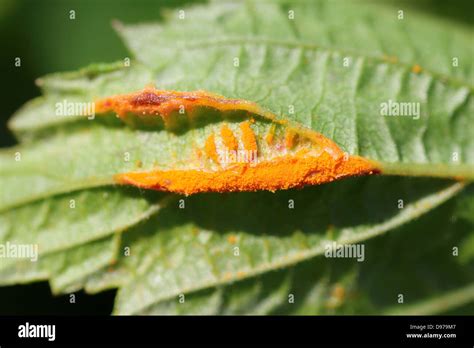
[[248, 137], [210, 148], [241, 147], [416, 69], [229, 139]]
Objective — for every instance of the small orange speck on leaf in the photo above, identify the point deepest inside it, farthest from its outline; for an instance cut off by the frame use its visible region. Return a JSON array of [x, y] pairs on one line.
[[198, 153], [337, 297], [416, 69], [232, 239], [338, 292]]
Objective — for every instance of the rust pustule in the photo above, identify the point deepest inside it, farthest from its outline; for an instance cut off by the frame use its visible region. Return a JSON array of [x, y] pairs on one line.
[[210, 148], [298, 156], [151, 101], [290, 171], [248, 137], [229, 139]]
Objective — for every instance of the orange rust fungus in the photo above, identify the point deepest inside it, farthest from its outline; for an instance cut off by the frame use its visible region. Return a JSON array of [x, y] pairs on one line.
[[270, 135], [198, 153], [416, 69], [290, 136], [338, 292], [210, 148], [248, 137], [151, 101], [337, 297], [289, 171], [229, 139], [325, 162]]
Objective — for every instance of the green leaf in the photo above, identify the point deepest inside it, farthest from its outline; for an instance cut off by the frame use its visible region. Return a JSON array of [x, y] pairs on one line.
[[194, 248], [301, 64], [95, 154], [68, 269], [430, 278], [69, 230], [298, 65], [157, 250]]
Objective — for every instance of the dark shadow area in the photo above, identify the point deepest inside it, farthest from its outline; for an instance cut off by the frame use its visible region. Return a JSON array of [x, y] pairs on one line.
[[349, 202], [47, 40], [454, 10], [36, 299], [417, 259]]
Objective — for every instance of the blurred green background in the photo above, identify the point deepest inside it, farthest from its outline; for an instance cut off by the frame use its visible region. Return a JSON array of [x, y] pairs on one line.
[[47, 40]]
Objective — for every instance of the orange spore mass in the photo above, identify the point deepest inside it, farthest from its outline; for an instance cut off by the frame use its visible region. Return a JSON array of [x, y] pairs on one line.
[[320, 162], [151, 101], [270, 135], [210, 148], [290, 139], [232, 239], [416, 69], [286, 172], [229, 139], [248, 137]]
